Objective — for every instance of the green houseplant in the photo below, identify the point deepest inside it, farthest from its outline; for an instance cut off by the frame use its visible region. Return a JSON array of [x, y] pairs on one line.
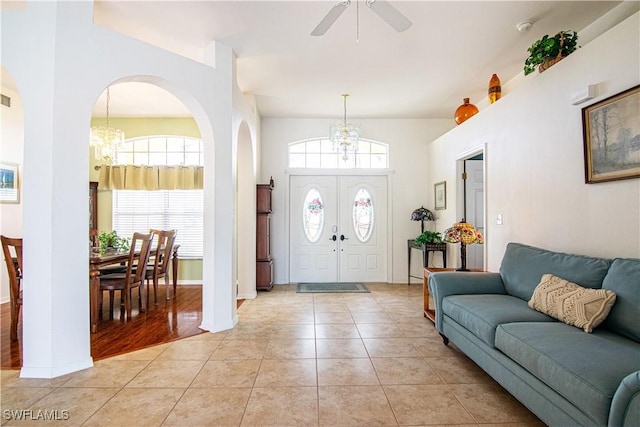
[[547, 51], [112, 240], [428, 237]]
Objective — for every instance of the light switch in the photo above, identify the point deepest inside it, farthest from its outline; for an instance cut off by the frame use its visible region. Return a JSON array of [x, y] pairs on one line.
[[499, 219]]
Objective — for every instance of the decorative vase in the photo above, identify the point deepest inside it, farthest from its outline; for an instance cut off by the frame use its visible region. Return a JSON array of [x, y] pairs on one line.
[[495, 90], [465, 111]]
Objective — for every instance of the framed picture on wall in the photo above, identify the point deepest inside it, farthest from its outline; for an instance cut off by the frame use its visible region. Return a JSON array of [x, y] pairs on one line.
[[9, 183], [611, 134], [440, 190]]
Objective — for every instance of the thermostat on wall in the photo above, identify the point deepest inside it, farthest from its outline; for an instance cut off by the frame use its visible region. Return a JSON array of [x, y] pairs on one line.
[[584, 95]]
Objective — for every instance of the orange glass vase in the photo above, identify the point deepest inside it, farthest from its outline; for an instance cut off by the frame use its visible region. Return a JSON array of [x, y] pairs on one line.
[[495, 89], [465, 111]]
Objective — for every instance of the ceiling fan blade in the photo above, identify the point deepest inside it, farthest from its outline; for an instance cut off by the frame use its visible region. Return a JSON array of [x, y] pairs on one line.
[[390, 15], [330, 18]]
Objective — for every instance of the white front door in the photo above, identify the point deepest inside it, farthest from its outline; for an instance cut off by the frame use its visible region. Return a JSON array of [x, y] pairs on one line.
[[338, 229], [475, 209]]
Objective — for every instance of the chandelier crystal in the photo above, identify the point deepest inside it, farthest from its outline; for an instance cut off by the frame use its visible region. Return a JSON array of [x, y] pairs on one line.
[[105, 139], [345, 135]]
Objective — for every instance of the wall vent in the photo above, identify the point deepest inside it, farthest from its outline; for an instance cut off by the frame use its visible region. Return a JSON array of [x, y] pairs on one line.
[[5, 100]]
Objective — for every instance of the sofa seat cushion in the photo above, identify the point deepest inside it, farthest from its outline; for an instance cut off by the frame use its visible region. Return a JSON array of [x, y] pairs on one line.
[[584, 368], [481, 314]]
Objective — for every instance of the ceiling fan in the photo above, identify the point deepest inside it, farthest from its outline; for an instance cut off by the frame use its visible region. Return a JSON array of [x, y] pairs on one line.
[[383, 9]]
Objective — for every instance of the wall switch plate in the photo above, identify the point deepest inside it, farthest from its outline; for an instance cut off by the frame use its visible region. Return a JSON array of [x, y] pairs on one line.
[[499, 219]]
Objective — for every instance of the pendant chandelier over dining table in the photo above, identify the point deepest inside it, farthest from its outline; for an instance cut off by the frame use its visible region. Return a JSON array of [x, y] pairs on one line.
[[105, 139], [345, 135]]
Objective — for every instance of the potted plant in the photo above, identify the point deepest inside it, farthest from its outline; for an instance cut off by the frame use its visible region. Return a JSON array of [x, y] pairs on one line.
[[428, 237], [112, 242], [547, 51]]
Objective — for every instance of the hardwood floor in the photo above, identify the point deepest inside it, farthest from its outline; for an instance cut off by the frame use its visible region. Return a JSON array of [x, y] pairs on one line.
[[168, 321]]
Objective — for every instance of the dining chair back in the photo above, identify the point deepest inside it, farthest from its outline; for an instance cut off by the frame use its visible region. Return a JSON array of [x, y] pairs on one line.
[[159, 268], [12, 250], [133, 277]]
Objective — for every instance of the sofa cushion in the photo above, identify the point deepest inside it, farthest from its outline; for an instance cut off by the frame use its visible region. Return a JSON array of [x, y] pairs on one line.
[[623, 278], [571, 303], [584, 368], [523, 266], [481, 314]]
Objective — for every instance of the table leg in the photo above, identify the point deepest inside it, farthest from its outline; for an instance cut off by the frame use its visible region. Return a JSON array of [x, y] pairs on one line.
[[174, 271], [94, 292], [408, 265]]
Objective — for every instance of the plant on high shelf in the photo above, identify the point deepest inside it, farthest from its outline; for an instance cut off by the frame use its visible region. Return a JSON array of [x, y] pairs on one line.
[[112, 240], [549, 50], [428, 237]]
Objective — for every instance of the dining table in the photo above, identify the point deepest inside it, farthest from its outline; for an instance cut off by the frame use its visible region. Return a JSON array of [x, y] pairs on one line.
[[97, 260]]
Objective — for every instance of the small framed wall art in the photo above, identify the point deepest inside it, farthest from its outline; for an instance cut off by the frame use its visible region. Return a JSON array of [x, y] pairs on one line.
[[611, 134], [9, 183], [440, 190]]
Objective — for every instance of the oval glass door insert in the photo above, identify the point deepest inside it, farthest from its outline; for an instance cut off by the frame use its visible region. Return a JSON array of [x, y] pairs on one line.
[[313, 215], [363, 215]]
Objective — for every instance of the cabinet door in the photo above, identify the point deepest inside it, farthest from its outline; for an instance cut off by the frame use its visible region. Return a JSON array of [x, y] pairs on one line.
[[263, 202], [263, 237]]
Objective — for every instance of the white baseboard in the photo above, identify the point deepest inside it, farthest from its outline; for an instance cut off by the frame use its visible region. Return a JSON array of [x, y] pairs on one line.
[[189, 282], [55, 371]]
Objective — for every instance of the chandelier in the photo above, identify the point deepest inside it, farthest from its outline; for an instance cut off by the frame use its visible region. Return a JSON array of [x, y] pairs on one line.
[[105, 139], [345, 135]]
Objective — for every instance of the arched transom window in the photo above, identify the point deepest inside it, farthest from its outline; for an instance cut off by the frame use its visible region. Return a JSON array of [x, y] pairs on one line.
[[319, 153]]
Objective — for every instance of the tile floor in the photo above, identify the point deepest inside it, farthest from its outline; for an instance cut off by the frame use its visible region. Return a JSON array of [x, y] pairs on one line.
[[293, 359]]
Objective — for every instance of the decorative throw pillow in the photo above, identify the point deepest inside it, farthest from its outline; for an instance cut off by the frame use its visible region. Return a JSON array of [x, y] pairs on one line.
[[570, 303]]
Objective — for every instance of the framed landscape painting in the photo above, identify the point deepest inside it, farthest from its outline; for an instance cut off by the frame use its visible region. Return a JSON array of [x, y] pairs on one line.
[[9, 188], [611, 134], [440, 190]]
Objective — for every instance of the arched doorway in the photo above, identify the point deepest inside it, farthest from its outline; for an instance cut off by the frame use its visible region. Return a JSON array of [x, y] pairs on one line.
[[245, 219]]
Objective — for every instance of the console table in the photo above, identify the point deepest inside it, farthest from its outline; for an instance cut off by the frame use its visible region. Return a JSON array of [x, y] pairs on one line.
[[425, 248]]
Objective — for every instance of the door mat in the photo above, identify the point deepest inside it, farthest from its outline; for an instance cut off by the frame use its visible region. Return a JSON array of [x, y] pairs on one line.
[[311, 288]]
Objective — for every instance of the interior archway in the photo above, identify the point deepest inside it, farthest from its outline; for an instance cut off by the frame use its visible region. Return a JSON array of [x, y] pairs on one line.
[[246, 223]]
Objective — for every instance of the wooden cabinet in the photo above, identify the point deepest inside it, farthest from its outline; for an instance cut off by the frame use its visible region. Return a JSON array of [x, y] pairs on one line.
[[264, 263]]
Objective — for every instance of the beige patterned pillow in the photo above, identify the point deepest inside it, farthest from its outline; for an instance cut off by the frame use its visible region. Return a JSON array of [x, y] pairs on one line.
[[570, 303]]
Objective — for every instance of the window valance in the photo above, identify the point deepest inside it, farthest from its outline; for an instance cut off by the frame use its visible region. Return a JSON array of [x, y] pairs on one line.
[[150, 178]]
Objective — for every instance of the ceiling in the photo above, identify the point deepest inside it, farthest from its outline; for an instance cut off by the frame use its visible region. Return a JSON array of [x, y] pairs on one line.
[[450, 52]]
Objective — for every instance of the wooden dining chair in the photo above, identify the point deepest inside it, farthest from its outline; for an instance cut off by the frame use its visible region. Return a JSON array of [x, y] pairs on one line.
[[158, 269], [12, 249], [133, 277]]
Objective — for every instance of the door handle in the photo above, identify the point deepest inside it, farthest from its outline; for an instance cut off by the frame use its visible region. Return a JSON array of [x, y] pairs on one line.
[[334, 238], [342, 238]]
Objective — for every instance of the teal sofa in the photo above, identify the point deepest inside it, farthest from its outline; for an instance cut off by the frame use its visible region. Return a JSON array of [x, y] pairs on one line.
[[563, 375]]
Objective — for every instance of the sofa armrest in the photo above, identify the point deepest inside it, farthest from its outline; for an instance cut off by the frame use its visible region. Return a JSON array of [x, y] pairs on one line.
[[444, 284], [625, 407]]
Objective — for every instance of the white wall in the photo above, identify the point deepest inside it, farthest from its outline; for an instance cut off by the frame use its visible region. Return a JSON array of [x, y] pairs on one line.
[[11, 138], [535, 172], [407, 141]]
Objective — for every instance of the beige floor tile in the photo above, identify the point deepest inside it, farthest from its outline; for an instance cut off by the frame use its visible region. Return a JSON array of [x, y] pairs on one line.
[[420, 328], [240, 349], [250, 331], [21, 398], [296, 318], [390, 347], [324, 317], [210, 407], [490, 403], [337, 330], [293, 331], [354, 406], [404, 370], [364, 306], [208, 336], [282, 406], [458, 370], [426, 404], [137, 407], [286, 373], [346, 372], [148, 353], [68, 406], [227, 373], [168, 373], [434, 347], [371, 317], [11, 378], [291, 349], [340, 348], [189, 350], [330, 307], [107, 373], [379, 330]]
